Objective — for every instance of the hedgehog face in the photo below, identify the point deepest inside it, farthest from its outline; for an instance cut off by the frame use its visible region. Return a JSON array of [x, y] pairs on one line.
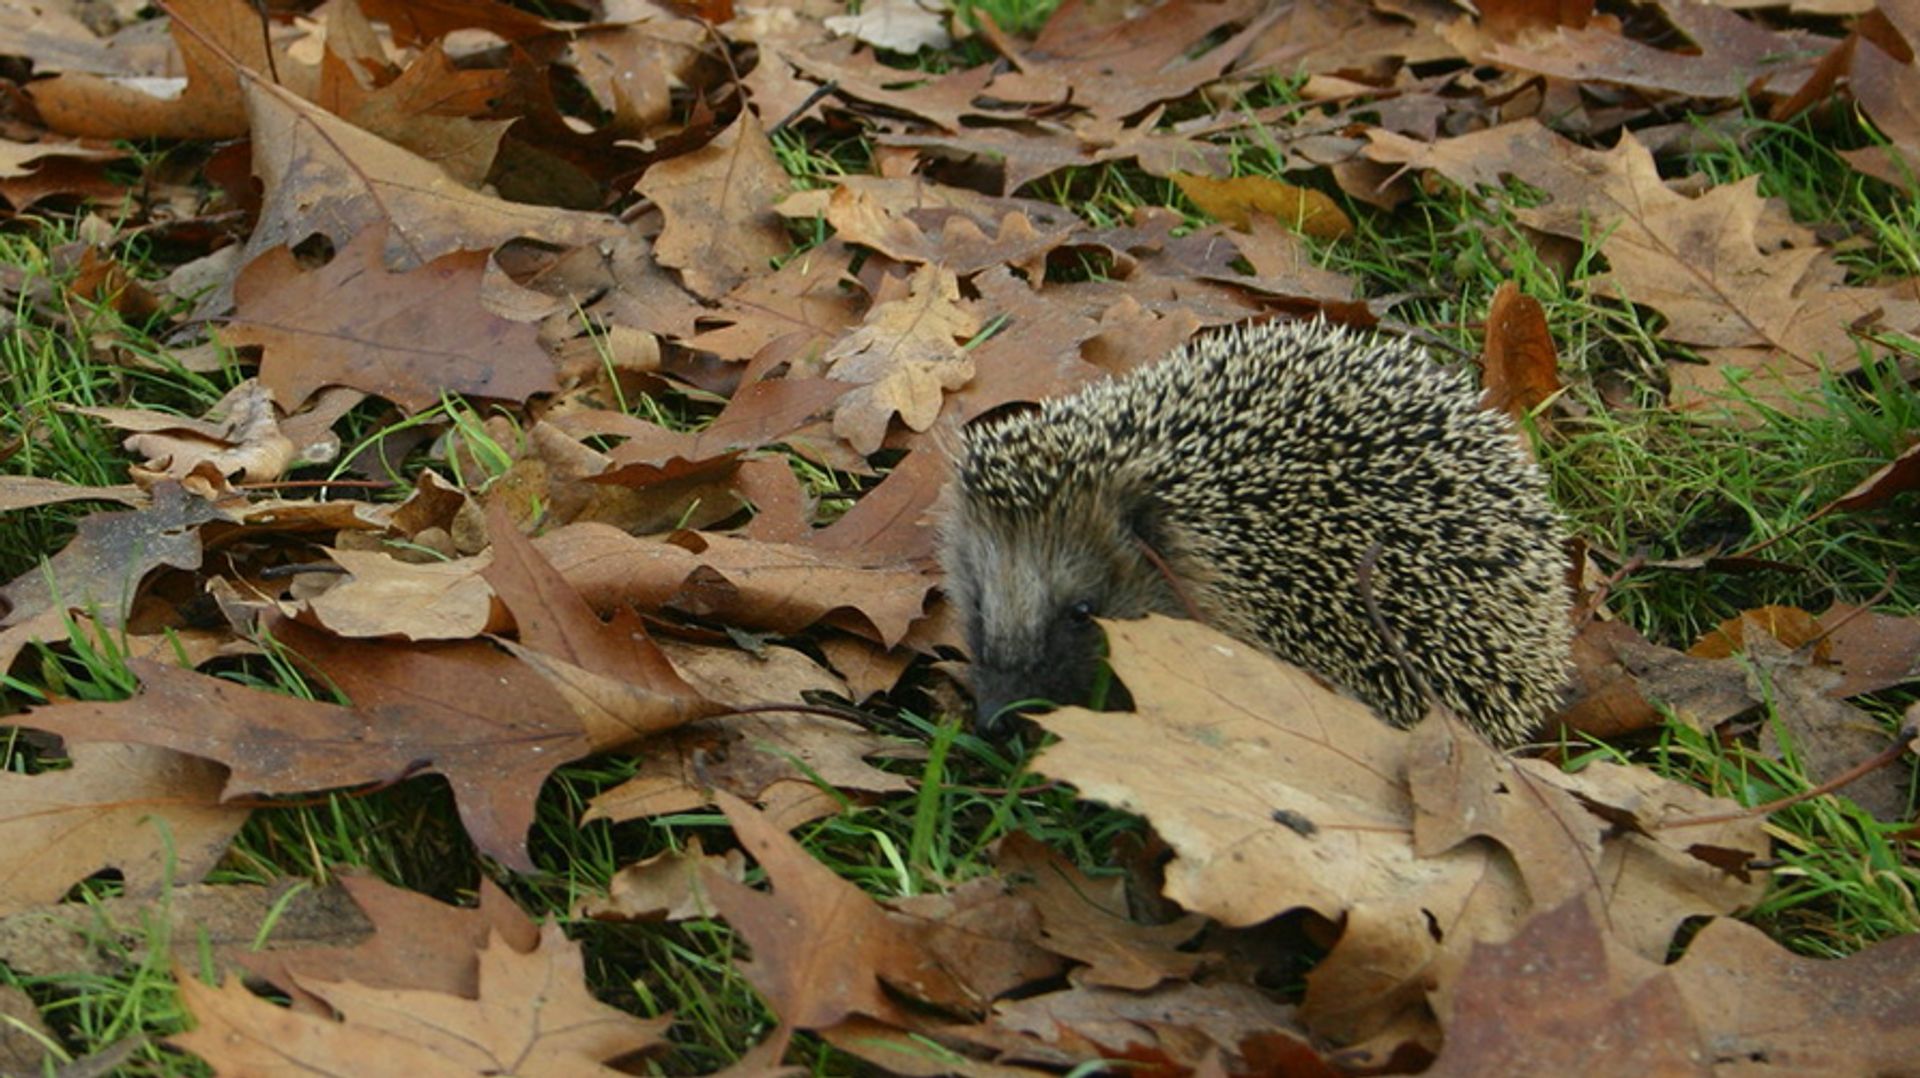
[[1028, 589]]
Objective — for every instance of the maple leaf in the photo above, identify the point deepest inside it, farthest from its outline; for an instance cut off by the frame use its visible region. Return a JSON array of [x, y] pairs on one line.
[[534, 1016]]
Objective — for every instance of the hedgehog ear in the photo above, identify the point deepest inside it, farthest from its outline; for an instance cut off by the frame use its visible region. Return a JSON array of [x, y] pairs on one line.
[[1145, 520]]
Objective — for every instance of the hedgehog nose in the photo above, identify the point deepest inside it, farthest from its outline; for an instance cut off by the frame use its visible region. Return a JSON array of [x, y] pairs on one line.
[[993, 718], [996, 707]]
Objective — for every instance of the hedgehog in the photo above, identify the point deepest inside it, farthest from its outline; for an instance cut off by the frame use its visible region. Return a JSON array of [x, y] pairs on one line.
[[1244, 481]]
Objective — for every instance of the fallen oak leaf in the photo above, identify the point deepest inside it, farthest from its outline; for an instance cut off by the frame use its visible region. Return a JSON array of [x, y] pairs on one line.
[[106, 810], [1277, 793], [324, 176], [822, 949], [410, 337], [415, 942], [211, 36], [240, 435], [415, 709], [718, 204], [110, 556], [616, 678], [778, 586], [534, 1015]]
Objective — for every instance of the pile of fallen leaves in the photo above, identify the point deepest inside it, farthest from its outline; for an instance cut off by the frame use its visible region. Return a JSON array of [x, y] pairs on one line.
[[516, 227]]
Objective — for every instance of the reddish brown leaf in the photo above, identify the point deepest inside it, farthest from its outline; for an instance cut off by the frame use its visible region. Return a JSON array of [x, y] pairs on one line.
[[207, 33], [738, 581], [408, 337], [1127, 65], [618, 681], [1560, 998], [325, 176], [821, 949], [1899, 476], [416, 943], [1521, 371], [718, 202], [1731, 55], [414, 709]]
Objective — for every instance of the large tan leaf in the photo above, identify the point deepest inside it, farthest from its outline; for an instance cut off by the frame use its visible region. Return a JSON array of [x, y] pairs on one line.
[[1277, 793]]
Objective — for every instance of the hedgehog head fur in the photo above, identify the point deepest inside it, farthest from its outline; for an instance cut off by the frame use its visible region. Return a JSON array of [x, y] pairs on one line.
[[1260, 467]]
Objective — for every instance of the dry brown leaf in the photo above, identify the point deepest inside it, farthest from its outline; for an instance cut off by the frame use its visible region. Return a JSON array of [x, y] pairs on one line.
[[737, 581], [383, 596], [904, 357], [1564, 997], [1520, 370], [1087, 919], [1277, 793], [534, 1015], [107, 811], [1117, 69], [410, 941], [822, 950], [27, 491], [207, 103], [718, 203], [414, 709], [1758, 1001], [422, 109], [905, 26], [664, 887], [1732, 274], [1731, 56], [109, 557], [1177, 1027], [240, 435], [618, 681], [1826, 736], [408, 337], [768, 758], [324, 176]]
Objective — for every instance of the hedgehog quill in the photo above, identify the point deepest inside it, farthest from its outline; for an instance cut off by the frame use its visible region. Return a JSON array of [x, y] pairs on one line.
[[1243, 480]]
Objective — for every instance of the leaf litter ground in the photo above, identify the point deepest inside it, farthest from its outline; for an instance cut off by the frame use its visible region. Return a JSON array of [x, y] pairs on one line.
[[504, 414]]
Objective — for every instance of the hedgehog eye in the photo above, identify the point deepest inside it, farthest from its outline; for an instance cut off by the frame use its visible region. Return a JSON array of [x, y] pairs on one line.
[[1081, 611]]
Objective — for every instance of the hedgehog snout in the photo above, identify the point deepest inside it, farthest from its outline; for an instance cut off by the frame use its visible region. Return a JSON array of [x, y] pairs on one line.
[[1003, 695]]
